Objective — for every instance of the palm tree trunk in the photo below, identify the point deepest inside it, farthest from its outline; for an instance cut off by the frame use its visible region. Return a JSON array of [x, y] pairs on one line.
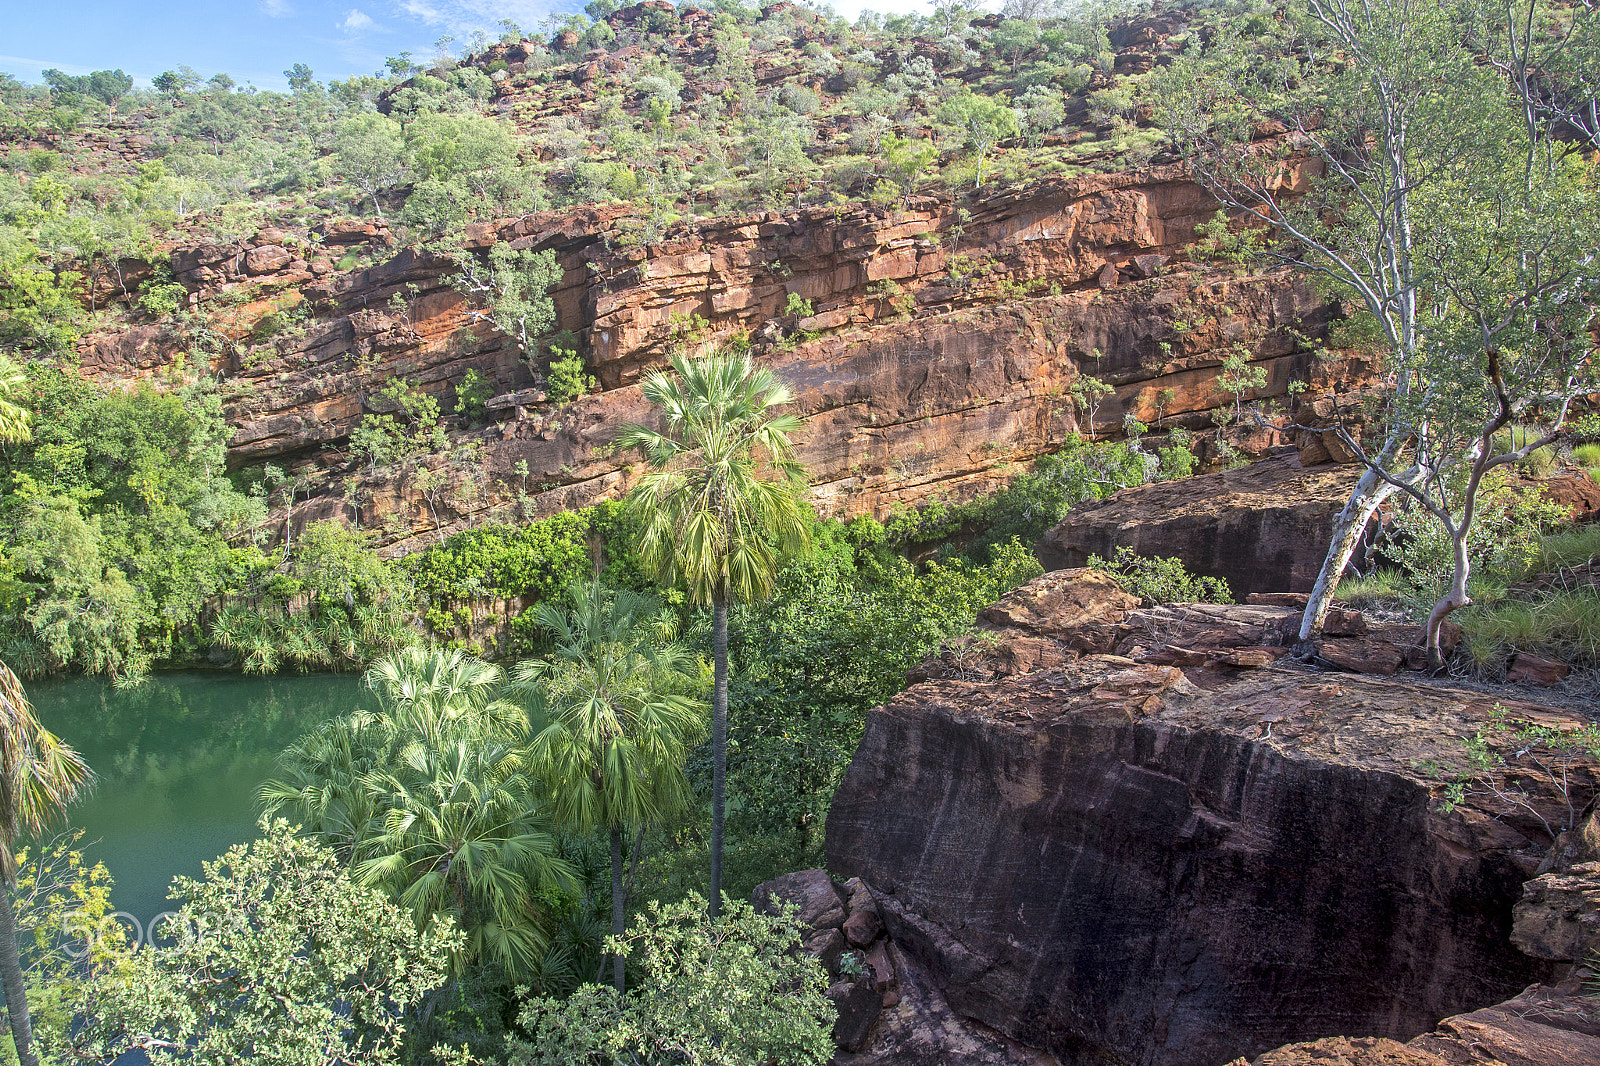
[[719, 748], [618, 900], [11, 978]]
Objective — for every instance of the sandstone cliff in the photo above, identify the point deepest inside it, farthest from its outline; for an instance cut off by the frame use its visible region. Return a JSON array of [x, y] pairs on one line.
[[1125, 834], [938, 356]]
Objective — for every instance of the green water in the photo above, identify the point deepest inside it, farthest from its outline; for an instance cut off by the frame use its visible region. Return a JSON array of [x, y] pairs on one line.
[[178, 760]]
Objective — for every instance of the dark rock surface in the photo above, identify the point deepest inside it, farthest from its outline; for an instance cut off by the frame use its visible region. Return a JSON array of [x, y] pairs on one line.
[[1181, 852], [1543, 1026]]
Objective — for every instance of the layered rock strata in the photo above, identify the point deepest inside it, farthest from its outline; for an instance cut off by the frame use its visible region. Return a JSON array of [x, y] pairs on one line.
[[1115, 833], [933, 355]]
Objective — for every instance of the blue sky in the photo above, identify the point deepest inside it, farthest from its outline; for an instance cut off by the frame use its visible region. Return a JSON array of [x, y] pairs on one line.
[[254, 41]]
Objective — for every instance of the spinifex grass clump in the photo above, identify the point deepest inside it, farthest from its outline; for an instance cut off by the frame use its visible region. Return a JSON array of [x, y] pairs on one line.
[[1564, 625], [1384, 587]]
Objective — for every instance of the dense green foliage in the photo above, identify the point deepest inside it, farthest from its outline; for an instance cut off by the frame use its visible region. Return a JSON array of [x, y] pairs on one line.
[[1034, 501], [734, 990], [536, 560], [431, 800], [278, 957]]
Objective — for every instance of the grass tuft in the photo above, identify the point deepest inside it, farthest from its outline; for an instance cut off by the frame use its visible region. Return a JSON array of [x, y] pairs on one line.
[[1573, 546], [1564, 625], [1381, 588]]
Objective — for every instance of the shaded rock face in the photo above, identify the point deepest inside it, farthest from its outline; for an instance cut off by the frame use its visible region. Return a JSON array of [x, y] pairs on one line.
[[889, 1011], [1113, 859], [1262, 527]]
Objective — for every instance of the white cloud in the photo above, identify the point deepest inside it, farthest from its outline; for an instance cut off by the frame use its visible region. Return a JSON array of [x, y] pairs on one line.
[[32, 70], [463, 16], [355, 21], [277, 9], [424, 11]]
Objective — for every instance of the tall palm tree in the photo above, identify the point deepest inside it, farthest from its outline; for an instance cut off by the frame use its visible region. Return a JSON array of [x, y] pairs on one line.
[[14, 419], [39, 777], [723, 502], [611, 725]]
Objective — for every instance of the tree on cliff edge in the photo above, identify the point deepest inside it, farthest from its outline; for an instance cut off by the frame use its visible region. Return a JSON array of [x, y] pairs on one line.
[[721, 506], [1423, 186]]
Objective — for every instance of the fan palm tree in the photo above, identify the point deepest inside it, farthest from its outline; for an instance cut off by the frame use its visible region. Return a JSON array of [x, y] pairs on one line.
[[723, 502], [432, 687], [611, 725], [14, 419], [462, 833], [430, 799], [39, 777], [323, 779]]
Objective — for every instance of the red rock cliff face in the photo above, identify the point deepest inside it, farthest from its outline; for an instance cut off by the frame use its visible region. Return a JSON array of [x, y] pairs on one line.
[[1111, 859], [938, 353]]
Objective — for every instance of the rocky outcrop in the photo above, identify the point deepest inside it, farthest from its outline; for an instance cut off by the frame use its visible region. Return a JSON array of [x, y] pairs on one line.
[[1542, 1026], [1558, 917], [1108, 836], [1262, 527], [889, 1010]]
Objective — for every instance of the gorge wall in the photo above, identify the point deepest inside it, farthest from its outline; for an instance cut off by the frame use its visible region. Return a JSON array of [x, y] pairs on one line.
[[1129, 835], [939, 354]]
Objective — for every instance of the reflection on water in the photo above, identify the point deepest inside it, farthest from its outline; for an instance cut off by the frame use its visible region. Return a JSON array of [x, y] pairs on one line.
[[179, 759]]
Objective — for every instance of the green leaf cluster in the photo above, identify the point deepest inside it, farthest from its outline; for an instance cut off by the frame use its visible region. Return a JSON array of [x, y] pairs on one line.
[[1161, 579], [728, 991], [279, 958]]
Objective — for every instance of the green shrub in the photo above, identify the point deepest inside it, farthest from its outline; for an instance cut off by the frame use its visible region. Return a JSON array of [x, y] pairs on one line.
[[536, 561], [1588, 456], [1162, 579], [163, 299], [1573, 546], [1177, 461], [1030, 505], [1381, 588], [798, 307], [472, 393], [567, 381], [734, 989], [1563, 625]]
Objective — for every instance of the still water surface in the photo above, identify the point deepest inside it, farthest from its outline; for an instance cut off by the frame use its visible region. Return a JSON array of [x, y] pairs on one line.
[[179, 760]]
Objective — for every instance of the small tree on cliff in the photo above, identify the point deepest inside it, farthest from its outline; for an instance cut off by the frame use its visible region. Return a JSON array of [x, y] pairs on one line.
[[513, 290], [723, 503], [1420, 184]]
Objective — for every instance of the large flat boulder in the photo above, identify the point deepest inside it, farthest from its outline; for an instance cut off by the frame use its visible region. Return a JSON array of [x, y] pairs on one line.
[[1185, 851], [1262, 528]]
